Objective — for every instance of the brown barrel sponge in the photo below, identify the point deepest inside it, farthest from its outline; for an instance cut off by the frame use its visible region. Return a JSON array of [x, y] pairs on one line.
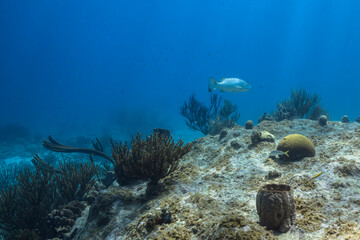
[[297, 145], [275, 206]]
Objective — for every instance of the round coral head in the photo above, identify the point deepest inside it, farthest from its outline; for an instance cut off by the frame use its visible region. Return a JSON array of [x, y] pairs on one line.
[[297, 145]]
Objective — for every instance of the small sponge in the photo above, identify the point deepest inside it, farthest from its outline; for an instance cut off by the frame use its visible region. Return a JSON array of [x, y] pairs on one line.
[[298, 146]]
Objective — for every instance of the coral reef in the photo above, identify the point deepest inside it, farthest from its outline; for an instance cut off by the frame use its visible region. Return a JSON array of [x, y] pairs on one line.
[[211, 119], [211, 194], [8, 174], [74, 179], [107, 175], [285, 110], [265, 117], [55, 146], [153, 158], [25, 205], [311, 214], [316, 112], [300, 104], [61, 220], [298, 146], [198, 115], [228, 116], [342, 230]]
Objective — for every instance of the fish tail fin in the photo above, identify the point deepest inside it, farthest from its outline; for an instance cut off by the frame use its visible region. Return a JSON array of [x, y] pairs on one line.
[[287, 153], [212, 84]]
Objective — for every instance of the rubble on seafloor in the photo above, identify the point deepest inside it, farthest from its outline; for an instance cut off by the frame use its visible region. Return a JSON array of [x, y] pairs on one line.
[[212, 194]]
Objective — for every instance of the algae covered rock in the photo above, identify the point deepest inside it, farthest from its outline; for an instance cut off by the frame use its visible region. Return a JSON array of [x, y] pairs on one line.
[[261, 136], [298, 146]]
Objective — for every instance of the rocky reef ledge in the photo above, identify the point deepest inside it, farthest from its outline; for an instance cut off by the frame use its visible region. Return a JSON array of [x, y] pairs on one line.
[[212, 194]]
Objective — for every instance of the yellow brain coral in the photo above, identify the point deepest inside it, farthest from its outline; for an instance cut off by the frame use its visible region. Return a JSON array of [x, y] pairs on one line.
[[298, 146]]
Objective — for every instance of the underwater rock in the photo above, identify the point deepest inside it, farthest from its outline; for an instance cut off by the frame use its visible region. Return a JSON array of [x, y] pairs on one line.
[[91, 196], [249, 124], [298, 146], [345, 119], [235, 145], [154, 189], [102, 210], [266, 117], [165, 216], [275, 206], [272, 175], [357, 119], [210, 195], [263, 136], [109, 178], [223, 134], [323, 120]]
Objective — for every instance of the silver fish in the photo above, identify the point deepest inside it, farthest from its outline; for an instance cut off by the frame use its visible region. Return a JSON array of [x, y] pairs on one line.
[[229, 85], [275, 153]]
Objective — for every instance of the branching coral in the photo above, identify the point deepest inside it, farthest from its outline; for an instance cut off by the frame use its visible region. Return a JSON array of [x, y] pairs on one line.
[[25, 205], [198, 115], [226, 118], [75, 179], [55, 146], [300, 104], [209, 119], [160, 156], [8, 222], [316, 112], [228, 112], [285, 110], [303, 102], [8, 174], [153, 158]]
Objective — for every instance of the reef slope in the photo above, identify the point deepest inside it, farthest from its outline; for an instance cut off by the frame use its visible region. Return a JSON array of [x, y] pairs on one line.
[[212, 194]]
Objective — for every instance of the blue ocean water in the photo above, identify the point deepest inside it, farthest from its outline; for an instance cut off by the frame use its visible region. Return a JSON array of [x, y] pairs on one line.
[[116, 67]]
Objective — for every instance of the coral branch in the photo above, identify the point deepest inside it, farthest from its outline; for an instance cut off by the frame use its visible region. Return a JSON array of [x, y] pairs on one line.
[[57, 147]]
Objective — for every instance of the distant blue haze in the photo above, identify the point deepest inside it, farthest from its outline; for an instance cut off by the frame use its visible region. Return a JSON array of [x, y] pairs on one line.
[[76, 66]]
